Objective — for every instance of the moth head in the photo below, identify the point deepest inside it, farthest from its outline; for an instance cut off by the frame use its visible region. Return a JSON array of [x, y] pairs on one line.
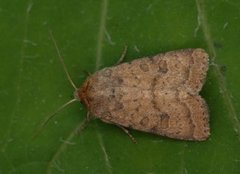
[[82, 94]]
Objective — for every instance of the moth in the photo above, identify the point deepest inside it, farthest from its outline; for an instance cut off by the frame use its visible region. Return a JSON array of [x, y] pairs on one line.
[[157, 94]]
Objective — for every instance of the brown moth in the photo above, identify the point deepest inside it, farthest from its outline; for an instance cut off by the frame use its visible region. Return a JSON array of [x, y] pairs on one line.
[[158, 94]]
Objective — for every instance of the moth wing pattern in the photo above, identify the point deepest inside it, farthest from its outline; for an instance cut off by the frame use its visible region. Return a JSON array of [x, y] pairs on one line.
[[179, 120], [156, 94], [185, 68]]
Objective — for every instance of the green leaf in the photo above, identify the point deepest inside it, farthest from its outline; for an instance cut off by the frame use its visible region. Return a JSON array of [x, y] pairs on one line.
[[91, 35]]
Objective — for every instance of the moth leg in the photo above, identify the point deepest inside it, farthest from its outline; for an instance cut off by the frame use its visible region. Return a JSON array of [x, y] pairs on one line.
[[83, 124], [120, 60], [121, 127], [89, 117], [128, 133]]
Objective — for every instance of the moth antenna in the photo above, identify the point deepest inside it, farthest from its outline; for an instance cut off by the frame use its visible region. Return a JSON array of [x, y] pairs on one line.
[[62, 61], [123, 55], [45, 122]]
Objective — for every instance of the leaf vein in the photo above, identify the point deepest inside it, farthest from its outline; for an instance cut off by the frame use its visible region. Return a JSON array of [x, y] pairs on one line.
[[217, 72]]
